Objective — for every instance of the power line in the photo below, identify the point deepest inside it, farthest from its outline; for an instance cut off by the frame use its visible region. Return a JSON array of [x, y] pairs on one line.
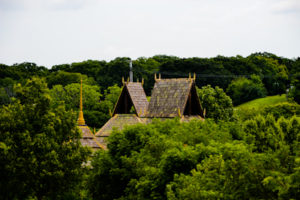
[[182, 74]]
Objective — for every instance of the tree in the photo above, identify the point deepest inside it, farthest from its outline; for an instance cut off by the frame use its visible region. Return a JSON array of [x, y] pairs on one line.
[[66, 78], [96, 111], [40, 152], [242, 89], [145, 68], [112, 94], [275, 75], [294, 92], [91, 101], [69, 94], [216, 103], [6, 90], [143, 159]]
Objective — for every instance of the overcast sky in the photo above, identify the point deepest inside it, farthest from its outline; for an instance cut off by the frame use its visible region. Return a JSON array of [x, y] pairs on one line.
[[50, 32]]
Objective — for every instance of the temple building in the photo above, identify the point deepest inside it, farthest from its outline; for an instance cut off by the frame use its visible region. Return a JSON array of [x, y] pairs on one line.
[[88, 138], [170, 98]]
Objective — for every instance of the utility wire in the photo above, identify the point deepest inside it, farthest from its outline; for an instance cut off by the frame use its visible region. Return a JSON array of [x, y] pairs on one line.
[[182, 74]]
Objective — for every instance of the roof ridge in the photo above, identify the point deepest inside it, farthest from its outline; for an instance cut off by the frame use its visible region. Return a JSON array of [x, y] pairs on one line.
[[174, 79]]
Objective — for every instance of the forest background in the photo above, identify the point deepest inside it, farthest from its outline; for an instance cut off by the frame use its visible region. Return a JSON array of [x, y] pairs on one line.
[[234, 154]]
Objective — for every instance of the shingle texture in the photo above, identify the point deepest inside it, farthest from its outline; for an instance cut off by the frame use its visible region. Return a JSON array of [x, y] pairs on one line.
[[169, 97], [118, 121], [88, 139], [138, 97], [132, 94]]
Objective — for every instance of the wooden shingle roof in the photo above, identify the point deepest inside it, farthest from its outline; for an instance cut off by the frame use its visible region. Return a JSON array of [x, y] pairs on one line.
[[118, 121], [174, 97], [132, 94], [88, 138]]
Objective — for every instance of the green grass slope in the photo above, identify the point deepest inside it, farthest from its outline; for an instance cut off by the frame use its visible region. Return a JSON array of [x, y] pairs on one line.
[[262, 102]]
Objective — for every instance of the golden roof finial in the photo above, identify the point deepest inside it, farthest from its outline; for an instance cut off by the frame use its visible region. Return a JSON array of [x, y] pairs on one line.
[[179, 113], [80, 120], [194, 76], [189, 75], [142, 81], [155, 77], [159, 76], [123, 81]]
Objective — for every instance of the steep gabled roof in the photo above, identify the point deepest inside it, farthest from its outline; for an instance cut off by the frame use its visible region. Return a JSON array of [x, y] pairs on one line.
[[132, 94], [118, 121], [88, 139], [174, 97]]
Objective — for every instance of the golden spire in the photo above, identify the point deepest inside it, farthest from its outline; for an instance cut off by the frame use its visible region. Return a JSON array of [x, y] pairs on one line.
[[80, 121]]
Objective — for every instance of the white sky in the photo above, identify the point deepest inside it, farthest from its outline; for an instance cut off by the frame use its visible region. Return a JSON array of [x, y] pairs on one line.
[[50, 32]]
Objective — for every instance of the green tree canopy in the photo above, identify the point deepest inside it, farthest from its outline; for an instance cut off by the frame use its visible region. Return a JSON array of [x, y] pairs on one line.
[[215, 102], [40, 154], [294, 92], [65, 78], [242, 89], [169, 159], [70, 94]]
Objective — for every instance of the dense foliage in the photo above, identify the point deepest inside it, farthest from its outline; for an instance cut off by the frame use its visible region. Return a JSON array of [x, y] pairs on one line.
[[40, 154], [294, 92], [284, 109], [215, 102], [258, 159], [96, 111], [276, 74], [242, 90], [233, 154], [217, 71]]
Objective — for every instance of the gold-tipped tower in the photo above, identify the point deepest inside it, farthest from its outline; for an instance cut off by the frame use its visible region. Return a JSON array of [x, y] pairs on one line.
[[80, 120]]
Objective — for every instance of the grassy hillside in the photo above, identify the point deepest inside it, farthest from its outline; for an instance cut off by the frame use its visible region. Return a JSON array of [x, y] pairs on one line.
[[267, 101]]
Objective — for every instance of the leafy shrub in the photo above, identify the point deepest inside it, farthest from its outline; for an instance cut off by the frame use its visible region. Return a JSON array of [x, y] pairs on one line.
[[286, 110], [294, 92], [242, 89], [216, 103]]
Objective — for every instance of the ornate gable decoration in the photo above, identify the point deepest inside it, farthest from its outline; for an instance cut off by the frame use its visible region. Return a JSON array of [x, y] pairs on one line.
[[174, 97], [132, 94]]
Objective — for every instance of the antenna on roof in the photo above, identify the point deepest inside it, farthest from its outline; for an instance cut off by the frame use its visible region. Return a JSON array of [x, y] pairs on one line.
[[130, 73]]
